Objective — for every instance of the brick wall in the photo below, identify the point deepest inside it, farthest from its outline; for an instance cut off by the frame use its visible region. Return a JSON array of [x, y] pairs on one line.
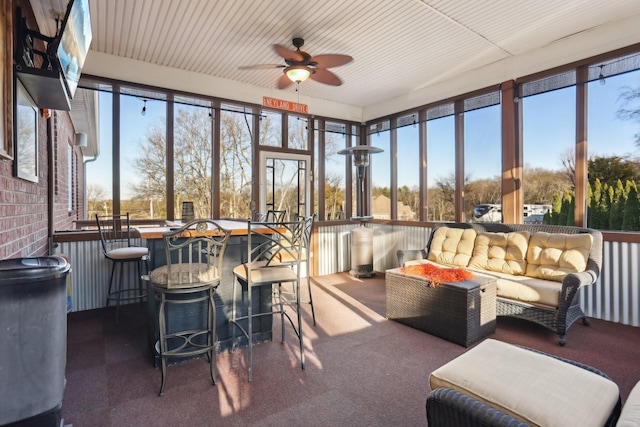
[[24, 205]]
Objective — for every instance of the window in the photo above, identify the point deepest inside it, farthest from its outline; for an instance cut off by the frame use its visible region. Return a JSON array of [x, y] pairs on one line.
[[26, 135], [271, 129], [298, 133], [441, 164], [549, 123], [98, 171], [164, 135], [408, 161], [614, 152], [335, 168], [143, 155], [482, 159], [236, 129], [351, 170], [193, 158], [379, 170]]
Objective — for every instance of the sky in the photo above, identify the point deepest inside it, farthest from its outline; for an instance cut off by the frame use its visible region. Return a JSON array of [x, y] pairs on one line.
[[548, 131]]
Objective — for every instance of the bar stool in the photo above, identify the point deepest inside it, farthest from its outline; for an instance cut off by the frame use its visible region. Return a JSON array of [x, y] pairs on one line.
[[115, 239], [264, 241], [302, 232], [195, 253]]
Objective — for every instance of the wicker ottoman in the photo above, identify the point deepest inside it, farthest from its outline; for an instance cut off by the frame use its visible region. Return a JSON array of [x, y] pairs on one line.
[[536, 388], [461, 312]]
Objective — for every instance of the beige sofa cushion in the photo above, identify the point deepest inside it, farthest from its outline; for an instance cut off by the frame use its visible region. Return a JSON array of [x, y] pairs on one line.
[[452, 246], [526, 289], [535, 388], [502, 252], [554, 255]]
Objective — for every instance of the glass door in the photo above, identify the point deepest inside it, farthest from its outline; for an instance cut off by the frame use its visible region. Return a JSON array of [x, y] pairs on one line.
[[285, 183]]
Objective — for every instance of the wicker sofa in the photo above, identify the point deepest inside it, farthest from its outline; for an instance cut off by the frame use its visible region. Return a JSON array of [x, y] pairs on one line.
[[519, 256]]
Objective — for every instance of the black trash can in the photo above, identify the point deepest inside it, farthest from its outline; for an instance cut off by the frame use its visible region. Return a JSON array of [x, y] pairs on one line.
[[33, 337]]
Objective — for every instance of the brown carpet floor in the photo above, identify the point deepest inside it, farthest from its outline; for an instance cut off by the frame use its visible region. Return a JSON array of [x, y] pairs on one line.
[[362, 369]]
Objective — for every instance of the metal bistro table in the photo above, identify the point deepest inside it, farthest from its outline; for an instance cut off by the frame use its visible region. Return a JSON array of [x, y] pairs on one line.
[[181, 317]]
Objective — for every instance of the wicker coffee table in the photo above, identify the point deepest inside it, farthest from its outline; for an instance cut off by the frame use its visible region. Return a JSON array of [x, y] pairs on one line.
[[460, 312]]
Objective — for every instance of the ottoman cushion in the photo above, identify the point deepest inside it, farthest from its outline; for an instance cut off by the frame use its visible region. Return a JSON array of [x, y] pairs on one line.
[[630, 416], [533, 387]]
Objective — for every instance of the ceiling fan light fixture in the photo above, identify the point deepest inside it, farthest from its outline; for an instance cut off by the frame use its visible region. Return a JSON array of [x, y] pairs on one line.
[[297, 73]]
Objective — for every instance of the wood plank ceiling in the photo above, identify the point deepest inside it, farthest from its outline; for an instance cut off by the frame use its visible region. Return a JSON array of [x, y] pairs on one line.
[[398, 46]]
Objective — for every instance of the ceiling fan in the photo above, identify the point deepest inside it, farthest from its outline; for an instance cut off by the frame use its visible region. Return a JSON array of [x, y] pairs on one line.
[[300, 65]]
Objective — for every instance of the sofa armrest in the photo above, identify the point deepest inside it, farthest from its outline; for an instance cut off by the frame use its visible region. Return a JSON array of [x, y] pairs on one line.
[[405, 255], [448, 407], [584, 278], [573, 282]]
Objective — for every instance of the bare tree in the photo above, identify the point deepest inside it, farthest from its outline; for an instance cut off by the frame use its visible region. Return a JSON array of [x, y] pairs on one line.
[[235, 165], [298, 133], [193, 159], [630, 109], [98, 200], [568, 159], [193, 152], [152, 167], [540, 184], [334, 196]]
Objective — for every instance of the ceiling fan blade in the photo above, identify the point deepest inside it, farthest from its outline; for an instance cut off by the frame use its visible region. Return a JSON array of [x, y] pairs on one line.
[[261, 67], [330, 60], [284, 82], [292, 55], [325, 76]]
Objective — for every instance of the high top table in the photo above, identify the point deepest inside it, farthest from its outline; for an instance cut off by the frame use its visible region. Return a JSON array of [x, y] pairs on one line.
[[180, 317]]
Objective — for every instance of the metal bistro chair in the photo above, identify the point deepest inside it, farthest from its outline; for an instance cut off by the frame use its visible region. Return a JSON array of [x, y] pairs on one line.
[[302, 231], [264, 241], [195, 253], [115, 239], [273, 216]]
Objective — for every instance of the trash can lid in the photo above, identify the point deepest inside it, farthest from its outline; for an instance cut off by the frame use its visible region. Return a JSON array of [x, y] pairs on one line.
[[32, 268]]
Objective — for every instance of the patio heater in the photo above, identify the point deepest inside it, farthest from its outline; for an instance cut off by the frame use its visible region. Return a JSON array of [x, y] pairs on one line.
[[361, 237]]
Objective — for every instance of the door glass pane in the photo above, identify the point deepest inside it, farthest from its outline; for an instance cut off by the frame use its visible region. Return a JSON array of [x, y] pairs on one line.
[[286, 186]]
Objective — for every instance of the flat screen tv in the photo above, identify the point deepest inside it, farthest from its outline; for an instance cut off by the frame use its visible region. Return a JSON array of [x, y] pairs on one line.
[[73, 42]]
